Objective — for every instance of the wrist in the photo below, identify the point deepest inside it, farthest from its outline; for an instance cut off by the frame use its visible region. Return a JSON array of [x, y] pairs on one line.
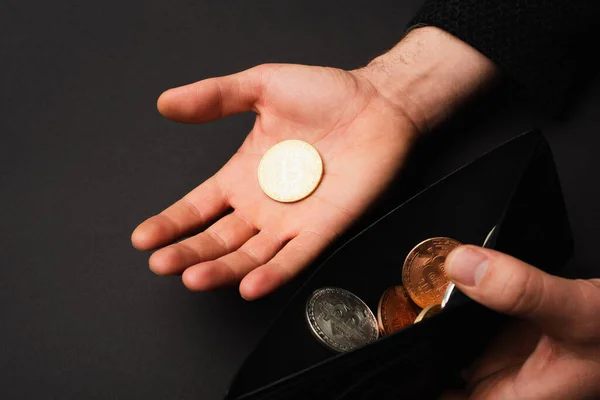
[[429, 75]]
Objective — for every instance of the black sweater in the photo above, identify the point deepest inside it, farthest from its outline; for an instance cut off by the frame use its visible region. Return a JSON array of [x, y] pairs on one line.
[[545, 47]]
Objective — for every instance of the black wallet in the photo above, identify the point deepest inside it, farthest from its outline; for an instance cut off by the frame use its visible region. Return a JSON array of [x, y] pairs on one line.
[[514, 189]]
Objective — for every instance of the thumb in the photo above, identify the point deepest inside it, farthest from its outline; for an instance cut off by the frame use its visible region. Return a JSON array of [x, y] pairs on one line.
[[214, 98], [563, 308]]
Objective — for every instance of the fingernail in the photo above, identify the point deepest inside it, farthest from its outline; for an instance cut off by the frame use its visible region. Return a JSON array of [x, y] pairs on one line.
[[468, 266]]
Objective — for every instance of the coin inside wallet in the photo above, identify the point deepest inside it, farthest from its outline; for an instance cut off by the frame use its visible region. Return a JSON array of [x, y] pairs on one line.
[[341, 321]]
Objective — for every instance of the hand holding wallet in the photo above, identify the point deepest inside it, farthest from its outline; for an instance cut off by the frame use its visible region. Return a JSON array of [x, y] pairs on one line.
[[514, 188]]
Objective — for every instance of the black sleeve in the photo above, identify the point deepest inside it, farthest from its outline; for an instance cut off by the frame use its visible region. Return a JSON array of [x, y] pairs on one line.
[[544, 47]]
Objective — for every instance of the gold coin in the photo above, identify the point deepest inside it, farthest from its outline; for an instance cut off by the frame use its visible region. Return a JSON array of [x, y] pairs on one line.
[[428, 312], [395, 311], [423, 273], [290, 171]]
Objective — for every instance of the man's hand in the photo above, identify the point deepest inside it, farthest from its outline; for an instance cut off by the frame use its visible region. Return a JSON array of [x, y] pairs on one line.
[[361, 136], [362, 123], [552, 351]]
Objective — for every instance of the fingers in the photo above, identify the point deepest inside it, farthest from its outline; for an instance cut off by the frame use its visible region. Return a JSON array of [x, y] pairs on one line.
[[231, 268], [193, 211], [288, 263], [213, 98], [223, 237], [563, 308]]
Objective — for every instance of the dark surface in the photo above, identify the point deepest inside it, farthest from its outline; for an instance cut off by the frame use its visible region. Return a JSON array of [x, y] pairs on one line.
[[85, 157]]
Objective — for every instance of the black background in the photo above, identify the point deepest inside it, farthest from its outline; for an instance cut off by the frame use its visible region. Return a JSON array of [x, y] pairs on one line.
[[85, 157]]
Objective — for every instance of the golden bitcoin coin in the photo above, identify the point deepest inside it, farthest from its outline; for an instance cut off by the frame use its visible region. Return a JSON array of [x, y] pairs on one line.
[[395, 311], [423, 273], [428, 312], [290, 171]]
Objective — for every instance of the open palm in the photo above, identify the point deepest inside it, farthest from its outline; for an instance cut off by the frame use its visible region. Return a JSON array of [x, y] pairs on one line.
[[361, 136]]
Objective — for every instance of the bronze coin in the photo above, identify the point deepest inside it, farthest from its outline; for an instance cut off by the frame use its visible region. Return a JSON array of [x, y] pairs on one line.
[[428, 312], [395, 311], [423, 273]]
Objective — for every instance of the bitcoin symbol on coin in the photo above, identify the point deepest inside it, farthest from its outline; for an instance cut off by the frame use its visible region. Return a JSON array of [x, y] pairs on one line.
[[291, 170], [434, 272], [340, 320]]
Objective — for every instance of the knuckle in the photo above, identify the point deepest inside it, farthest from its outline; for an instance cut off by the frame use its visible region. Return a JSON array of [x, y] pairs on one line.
[[191, 208], [300, 247], [218, 239], [590, 292], [263, 68], [283, 272], [249, 253], [186, 251], [245, 221], [588, 324], [273, 237], [231, 273], [523, 293]]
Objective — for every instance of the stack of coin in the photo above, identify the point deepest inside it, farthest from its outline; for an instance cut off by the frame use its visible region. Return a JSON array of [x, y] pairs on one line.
[[342, 321]]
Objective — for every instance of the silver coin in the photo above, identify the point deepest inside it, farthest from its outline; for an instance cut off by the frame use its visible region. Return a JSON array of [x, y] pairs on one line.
[[340, 320]]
